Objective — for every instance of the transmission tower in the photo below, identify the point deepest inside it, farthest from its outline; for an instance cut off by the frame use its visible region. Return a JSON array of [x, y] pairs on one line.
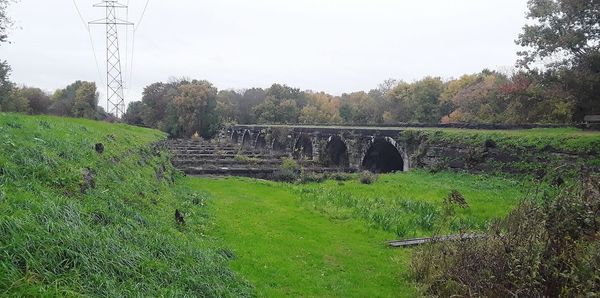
[[114, 82]]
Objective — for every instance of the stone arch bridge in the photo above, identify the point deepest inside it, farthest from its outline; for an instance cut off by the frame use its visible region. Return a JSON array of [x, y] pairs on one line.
[[257, 150], [378, 150]]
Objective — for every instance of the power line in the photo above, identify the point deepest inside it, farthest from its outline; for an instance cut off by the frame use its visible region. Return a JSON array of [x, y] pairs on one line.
[[135, 28], [87, 28], [127, 41], [79, 13], [142, 17]]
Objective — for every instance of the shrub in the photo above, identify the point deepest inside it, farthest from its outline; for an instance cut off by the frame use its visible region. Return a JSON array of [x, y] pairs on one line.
[[339, 176], [284, 175], [541, 249], [289, 171], [196, 136], [367, 177], [289, 164], [312, 177]]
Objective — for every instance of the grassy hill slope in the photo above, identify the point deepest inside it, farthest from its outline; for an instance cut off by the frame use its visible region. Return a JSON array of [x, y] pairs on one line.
[[74, 222]]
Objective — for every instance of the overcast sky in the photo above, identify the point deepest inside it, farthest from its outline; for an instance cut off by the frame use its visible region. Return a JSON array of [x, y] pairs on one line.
[[335, 46]]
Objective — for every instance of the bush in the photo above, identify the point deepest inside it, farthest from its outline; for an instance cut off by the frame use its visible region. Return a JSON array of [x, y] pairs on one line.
[[546, 249], [284, 175], [312, 177], [339, 176], [367, 177], [196, 137], [289, 164]]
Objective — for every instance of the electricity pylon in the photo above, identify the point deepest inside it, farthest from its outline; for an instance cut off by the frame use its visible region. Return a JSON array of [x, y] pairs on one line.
[[114, 81]]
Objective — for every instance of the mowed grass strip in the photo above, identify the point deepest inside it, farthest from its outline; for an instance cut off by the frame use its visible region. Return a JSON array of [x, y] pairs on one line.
[[285, 249]]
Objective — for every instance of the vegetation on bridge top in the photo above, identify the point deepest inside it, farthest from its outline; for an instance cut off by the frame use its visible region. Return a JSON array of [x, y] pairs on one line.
[[571, 140]]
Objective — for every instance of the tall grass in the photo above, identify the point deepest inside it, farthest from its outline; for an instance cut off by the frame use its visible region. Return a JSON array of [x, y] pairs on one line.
[[404, 217], [543, 248], [118, 238]]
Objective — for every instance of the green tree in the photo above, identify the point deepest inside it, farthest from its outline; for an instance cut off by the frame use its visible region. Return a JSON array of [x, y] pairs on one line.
[[569, 29], [196, 106], [399, 99], [5, 21], [6, 86], [158, 98], [86, 101], [229, 105], [481, 101], [38, 101], [537, 98], [281, 105], [425, 100], [250, 99], [12, 101], [321, 108], [347, 112], [63, 100], [358, 108], [135, 113]]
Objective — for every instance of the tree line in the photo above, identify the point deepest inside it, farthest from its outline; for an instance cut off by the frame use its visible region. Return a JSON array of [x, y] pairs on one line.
[[79, 99], [562, 91], [184, 107]]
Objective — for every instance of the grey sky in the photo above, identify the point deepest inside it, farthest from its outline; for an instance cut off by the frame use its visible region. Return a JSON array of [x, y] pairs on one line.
[[328, 45]]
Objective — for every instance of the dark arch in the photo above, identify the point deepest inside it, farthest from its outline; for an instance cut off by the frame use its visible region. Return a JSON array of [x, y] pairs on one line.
[[235, 137], [336, 153], [261, 141], [383, 157], [246, 140], [303, 149], [278, 146]]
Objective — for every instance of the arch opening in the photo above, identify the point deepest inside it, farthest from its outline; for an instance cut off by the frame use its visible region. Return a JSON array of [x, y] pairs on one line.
[[278, 146], [336, 153], [261, 141], [303, 149], [383, 157], [246, 140], [235, 137]]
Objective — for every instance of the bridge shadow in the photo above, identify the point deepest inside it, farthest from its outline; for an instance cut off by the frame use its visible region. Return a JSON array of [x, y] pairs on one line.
[[303, 149], [383, 157], [336, 153], [247, 140]]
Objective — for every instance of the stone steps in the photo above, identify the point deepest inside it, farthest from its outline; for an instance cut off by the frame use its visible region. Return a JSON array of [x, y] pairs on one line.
[[252, 172], [199, 158], [204, 156], [224, 162]]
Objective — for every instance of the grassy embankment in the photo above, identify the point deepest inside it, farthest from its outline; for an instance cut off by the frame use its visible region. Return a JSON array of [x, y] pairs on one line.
[[77, 223]]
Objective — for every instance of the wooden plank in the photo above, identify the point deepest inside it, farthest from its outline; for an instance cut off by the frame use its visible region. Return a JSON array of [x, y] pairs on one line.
[[420, 241]]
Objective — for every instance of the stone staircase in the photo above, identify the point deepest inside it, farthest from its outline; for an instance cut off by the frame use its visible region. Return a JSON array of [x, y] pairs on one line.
[[203, 158]]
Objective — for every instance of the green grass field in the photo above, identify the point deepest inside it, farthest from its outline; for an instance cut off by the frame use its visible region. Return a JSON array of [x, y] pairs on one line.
[[316, 240], [61, 235]]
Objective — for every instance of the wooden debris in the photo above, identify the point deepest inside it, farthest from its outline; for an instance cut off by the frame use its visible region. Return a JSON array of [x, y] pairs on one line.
[[419, 241]]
